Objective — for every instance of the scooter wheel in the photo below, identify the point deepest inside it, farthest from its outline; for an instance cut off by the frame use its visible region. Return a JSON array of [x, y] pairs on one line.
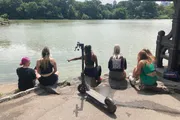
[[81, 89], [110, 105]]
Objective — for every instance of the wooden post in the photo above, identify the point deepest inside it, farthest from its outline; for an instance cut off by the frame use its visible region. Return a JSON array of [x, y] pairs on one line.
[[158, 48], [173, 52]]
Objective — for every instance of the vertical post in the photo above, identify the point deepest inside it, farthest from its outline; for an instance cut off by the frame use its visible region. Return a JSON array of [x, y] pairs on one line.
[[173, 62], [82, 73], [159, 48]]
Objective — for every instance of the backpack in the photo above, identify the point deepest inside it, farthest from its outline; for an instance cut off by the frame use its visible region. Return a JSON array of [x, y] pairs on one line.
[[118, 64]]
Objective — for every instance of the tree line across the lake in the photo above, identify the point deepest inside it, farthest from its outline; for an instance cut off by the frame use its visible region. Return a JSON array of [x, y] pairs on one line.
[[89, 9]]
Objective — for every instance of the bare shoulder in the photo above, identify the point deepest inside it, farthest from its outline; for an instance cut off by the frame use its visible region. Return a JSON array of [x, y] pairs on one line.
[[94, 56], [39, 60], [52, 60], [142, 62]]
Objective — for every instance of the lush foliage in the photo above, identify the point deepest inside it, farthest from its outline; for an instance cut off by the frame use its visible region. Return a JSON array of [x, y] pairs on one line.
[[90, 9]]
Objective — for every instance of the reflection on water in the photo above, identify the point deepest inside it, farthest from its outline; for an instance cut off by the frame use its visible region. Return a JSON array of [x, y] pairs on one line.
[[27, 38], [4, 44]]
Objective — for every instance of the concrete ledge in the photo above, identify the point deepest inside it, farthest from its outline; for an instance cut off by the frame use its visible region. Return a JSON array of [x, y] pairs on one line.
[[17, 95], [23, 93]]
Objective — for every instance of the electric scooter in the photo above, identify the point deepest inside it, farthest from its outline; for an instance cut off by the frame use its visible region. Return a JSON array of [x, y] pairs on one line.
[[84, 88]]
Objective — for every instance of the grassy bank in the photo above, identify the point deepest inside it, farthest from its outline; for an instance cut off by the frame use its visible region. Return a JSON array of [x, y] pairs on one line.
[[4, 21]]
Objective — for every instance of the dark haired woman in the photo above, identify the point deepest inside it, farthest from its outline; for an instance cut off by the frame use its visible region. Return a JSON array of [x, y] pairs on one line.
[[91, 64], [47, 68]]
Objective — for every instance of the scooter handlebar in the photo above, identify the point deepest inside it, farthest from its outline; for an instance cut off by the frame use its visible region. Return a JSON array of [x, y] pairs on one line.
[[79, 45]]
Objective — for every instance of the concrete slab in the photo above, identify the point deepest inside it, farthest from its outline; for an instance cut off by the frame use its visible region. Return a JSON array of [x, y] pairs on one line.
[[69, 105]]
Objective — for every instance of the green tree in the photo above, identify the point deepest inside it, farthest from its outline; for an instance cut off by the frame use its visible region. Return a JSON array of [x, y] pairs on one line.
[[85, 17], [119, 13], [106, 14], [169, 10], [4, 16], [72, 13], [148, 10], [89, 9]]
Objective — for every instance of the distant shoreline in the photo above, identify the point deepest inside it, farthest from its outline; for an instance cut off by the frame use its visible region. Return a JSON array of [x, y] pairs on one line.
[[88, 19]]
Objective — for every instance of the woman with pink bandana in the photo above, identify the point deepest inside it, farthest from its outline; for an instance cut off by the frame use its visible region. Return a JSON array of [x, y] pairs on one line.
[[26, 75]]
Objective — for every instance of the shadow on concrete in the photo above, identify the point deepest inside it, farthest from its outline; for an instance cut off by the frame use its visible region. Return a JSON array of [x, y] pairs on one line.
[[41, 92], [173, 86], [150, 105], [176, 96], [148, 91], [54, 89], [101, 108], [118, 84], [77, 108], [175, 90], [105, 90]]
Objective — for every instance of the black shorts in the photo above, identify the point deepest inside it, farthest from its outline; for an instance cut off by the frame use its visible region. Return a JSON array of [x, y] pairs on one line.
[[27, 85], [50, 80], [93, 72]]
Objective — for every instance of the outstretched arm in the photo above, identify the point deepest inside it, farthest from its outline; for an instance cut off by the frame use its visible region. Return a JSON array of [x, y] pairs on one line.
[[77, 58]]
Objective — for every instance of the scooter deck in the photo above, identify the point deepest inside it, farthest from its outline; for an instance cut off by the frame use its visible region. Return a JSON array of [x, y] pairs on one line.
[[96, 95]]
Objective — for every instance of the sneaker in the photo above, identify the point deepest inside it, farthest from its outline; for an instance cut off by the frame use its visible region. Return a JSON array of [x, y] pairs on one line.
[[132, 83]]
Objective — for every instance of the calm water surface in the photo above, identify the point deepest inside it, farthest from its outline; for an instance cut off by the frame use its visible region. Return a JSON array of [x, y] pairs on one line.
[[27, 38]]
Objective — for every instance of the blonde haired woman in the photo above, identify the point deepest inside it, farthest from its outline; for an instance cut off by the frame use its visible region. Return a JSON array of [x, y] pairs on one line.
[[148, 52], [47, 68], [146, 71], [117, 65]]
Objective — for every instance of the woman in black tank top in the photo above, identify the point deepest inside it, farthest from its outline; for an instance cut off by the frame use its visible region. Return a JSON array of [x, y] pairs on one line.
[[46, 67], [90, 58]]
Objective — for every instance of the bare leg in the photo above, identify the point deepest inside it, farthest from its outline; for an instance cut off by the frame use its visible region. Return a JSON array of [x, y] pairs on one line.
[[134, 75]]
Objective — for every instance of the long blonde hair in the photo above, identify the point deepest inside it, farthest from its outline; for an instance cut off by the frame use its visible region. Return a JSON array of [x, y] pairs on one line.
[[142, 55], [150, 54], [116, 53], [45, 55]]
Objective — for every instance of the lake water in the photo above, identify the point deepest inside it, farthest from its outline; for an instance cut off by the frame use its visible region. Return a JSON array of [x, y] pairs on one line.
[[27, 38]]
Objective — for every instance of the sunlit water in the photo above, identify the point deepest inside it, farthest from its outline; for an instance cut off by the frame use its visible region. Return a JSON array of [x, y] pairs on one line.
[[27, 38]]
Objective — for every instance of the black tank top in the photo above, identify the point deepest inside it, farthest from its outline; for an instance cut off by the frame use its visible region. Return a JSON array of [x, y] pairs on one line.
[[89, 62], [49, 69]]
